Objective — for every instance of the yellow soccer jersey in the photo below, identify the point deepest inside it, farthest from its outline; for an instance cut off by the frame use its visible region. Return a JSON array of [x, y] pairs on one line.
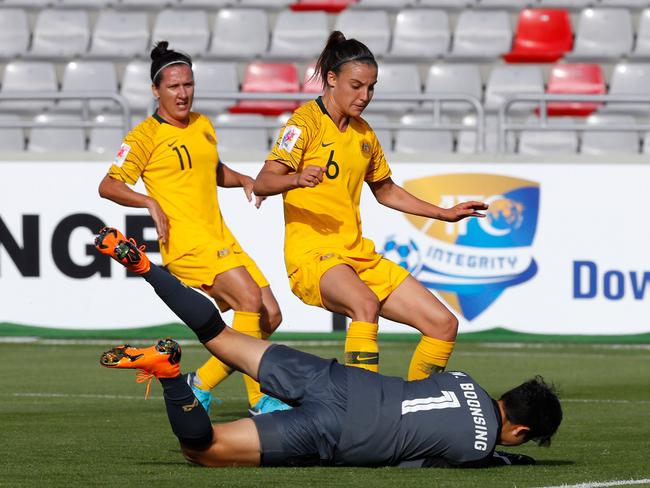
[[326, 217], [179, 170]]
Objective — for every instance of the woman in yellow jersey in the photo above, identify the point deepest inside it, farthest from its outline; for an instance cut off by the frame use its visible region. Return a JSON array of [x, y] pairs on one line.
[[321, 159], [175, 153]]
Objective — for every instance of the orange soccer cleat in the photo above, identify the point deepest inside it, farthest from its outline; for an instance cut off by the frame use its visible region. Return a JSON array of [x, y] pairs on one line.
[[162, 360], [112, 242]]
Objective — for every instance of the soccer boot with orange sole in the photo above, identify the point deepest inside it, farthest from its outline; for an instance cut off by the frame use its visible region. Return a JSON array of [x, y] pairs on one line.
[[112, 242], [162, 360]]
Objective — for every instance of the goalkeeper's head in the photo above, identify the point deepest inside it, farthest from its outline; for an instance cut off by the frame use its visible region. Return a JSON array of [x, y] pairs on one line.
[[530, 411]]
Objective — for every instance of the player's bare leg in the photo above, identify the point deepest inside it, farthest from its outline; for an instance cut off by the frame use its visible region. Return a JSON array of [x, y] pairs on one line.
[[414, 305], [234, 444], [342, 291]]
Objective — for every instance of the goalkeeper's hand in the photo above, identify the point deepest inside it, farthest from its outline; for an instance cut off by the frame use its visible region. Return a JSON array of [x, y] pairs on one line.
[[502, 458]]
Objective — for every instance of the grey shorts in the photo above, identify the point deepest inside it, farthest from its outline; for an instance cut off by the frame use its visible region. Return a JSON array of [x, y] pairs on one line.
[[316, 388]]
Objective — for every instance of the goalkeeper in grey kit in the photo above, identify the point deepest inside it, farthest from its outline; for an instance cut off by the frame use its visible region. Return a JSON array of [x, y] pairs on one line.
[[341, 416]]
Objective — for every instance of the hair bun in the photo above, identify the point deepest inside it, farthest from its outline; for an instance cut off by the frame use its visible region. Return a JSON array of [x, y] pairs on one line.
[[159, 50]]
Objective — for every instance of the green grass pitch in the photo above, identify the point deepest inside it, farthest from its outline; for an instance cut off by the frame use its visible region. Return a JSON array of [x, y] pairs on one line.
[[65, 421]]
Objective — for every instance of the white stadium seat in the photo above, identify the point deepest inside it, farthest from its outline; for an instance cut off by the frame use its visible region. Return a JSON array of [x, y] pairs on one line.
[[372, 27], [385, 4], [562, 141], [106, 140], [233, 139], [642, 47], [392, 79], [421, 33], [418, 141], [630, 79], [214, 77], [447, 4], [14, 32], [240, 33], [602, 34], [185, 30], [63, 139], [453, 79], [82, 76], [27, 3], [600, 142], [25, 77], [509, 4], [508, 80], [206, 4], [136, 85], [299, 34], [61, 33], [120, 33], [275, 4], [567, 4], [11, 138], [482, 34]]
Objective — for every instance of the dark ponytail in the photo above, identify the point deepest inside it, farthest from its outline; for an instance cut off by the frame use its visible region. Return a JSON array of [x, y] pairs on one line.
[[339, 51], [161, 57]]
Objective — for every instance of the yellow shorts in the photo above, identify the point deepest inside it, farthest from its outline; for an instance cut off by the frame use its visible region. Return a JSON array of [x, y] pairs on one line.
[[381, 275], [200, 266]]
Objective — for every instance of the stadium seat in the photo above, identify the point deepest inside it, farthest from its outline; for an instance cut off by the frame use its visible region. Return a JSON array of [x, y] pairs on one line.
[[392, 79], [329, 6], [186, 30], [542, 36], [454, 78], [61, 139], [603, 34], [384, 136], [144, 3], [92, 4], [136, 86], [568, 4], [240, 139], [241, 33], [25, 77], [561, 141], [205, 4], [642, 46], [14, 32], [600, 142], [11, 138], [420, 33], [105, 140], [83, 76], [310, 84], [418, 141], [213, 77], [514, 5], [120, 34], [27, 3], [509, 80], [447, 4], [631, 4], [61, 33], [467, 138], [384, 4], [268, 77], [371, 27], [299, 34], [580, 79], [482, 34], [267, 4], [629, 79]]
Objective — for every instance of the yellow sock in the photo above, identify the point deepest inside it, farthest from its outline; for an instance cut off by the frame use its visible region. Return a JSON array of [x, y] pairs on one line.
[[430, 356], [249, 323], [361, 348], [212, 373]]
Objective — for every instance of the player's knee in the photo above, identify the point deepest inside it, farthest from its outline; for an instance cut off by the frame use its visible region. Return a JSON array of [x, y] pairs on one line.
[[275, 319], [366, 309], [447, 327]]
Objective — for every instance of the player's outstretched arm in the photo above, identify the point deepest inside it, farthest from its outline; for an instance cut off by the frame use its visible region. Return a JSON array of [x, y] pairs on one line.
[[276, 178], [390, 194]]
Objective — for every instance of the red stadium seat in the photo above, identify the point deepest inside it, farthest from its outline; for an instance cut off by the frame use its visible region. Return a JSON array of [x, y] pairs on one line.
[[268, 78], [582, 79], [310, 84], [331, 6], [543, 36]]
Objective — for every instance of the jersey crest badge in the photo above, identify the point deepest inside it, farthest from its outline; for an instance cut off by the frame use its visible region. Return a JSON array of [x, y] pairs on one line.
[[365, 148], [290, 136], [122, 154], [210, 138]]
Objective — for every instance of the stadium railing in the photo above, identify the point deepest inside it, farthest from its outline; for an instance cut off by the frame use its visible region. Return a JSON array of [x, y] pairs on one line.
[[505, 126]]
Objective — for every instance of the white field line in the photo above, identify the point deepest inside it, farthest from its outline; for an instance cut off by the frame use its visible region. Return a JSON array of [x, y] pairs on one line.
[[238, 398], [602, 484]]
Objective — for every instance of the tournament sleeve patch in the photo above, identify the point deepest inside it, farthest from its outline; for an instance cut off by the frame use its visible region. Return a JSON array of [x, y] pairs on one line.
[[122, 154], [289, 138]]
